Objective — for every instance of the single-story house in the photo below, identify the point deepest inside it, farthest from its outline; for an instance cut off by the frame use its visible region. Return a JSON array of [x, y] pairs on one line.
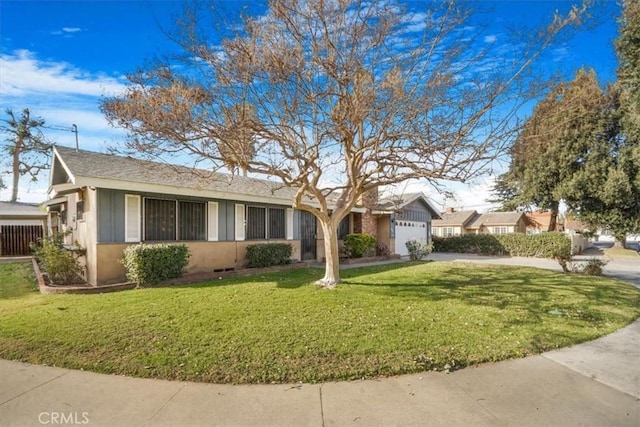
[[454, 223], [109, 202], [499, 223], [20, 224]]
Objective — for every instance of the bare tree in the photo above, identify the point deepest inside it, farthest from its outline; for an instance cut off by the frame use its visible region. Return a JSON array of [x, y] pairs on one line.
[[362, 93], [26, 146]]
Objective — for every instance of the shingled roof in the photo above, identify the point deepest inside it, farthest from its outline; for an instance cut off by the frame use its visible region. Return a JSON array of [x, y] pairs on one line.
[[398, 202], [19, 209], [496, 218], [87, 166], [459, 218]]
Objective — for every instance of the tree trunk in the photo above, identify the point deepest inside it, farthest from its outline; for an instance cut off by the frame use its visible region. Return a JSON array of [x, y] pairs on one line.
[[332, 267], [620, 240], [16, 171], [553, 217]]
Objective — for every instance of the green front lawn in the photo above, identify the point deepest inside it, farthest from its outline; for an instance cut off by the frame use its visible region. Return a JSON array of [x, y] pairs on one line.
[[616, 253], [16, 279], [383, 320]]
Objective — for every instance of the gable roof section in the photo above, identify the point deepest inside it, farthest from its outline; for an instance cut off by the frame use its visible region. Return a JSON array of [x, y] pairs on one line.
[[86, 168], [496, 218], [397, 203], [459, 218], [20, 210]]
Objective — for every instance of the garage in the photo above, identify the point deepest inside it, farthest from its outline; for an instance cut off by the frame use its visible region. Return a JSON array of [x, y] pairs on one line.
[[409, 230], [20, 225]]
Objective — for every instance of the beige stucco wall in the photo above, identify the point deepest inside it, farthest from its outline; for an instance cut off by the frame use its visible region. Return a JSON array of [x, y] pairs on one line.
[[205, 256], [384, 227]]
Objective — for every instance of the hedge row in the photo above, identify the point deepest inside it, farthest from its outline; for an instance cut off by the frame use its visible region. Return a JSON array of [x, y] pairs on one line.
[[545, 245]]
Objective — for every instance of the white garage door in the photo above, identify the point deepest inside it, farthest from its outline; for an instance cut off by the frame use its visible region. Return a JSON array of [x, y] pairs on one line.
[[409, 230]]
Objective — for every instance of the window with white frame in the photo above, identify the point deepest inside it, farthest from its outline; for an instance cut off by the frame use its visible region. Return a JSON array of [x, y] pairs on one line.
[[447, 232], [500, 230], [167, 219], [159, 219], [265, 223], [276, 218], [192, 220]]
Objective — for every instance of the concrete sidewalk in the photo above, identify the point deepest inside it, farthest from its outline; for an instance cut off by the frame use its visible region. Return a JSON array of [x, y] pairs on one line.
[[533, 391], [591, 384]]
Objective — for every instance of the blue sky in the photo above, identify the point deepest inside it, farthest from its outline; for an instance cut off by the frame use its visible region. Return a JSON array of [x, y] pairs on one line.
[[59, 58]]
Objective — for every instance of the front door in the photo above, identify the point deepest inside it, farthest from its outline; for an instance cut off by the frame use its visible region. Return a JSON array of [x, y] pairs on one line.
[[307, 236]]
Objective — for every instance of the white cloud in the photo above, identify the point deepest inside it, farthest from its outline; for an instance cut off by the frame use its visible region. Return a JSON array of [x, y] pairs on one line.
[[460, 196], [560, 53], [71, 29], [490, 38], [21, 73], [62, 95]]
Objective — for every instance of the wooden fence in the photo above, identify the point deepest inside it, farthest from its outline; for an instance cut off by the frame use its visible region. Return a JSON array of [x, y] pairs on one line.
[[15, 239]]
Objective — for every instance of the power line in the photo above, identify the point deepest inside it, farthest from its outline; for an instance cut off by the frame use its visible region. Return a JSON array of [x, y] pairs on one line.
[[73, 128]]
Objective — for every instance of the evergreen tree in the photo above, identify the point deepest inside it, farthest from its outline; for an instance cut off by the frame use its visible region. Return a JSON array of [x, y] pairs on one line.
[[606, 191], [551, 146]]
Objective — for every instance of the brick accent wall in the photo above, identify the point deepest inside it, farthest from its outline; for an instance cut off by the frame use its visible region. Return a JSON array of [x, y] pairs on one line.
[[370, 223]]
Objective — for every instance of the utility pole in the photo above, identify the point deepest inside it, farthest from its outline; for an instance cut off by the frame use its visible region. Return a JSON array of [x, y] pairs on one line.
[[74, 129]]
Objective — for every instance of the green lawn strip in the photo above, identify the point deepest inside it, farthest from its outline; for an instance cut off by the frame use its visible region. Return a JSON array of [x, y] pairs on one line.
[[382, 320], [616, 253], [16, 279]]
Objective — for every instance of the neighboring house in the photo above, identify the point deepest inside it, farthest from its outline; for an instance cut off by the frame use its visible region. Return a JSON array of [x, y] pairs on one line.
[[574, 226], [20, 224], [408, 217], [109, 202], [538, 222], [454, 223], [498, 223]]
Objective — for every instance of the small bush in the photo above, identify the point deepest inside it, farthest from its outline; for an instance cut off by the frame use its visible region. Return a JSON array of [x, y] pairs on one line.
[[359, 245], [268, 254], [594, 266], [418, 250], [382, 249], [150, 264], [61, 265]]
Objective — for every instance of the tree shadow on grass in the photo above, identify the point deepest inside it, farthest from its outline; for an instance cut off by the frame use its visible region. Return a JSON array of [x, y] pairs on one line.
[[533, 291], [295, 277]]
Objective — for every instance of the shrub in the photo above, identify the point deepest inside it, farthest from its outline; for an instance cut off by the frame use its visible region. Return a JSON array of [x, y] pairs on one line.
[[382, 249], [594, 266], [61, 265], [359, 244], [268, 254], [418, 250], [149, 264]]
